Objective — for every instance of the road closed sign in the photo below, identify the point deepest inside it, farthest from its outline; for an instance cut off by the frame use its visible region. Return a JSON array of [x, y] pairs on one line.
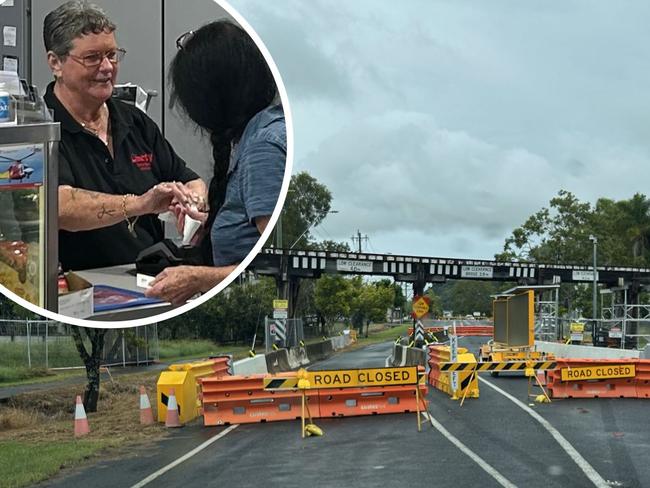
[[599, 372], [357, 378]]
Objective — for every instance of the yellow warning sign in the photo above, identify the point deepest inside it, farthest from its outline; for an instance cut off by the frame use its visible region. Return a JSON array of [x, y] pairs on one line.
[[282, 304], [356, 378], [420, 307], [599, 372], [577, 327]]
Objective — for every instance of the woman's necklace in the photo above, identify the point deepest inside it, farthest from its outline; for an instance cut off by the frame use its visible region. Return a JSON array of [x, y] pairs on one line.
[[96, 126]]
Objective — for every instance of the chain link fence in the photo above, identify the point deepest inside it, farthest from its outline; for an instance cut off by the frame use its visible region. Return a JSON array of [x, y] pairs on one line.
[[49, 344]]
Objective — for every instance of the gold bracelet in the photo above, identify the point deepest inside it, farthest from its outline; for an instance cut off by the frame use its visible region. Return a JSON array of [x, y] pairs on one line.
[[130, 224]]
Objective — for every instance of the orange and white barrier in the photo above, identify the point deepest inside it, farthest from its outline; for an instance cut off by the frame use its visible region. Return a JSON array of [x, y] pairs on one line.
[[80, 419], [462, 330], [600, 378], [243, 399]]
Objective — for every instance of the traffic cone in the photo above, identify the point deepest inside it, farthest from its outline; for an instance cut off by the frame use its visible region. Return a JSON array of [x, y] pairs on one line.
[[172, 419], [146, 415], [80, 420]]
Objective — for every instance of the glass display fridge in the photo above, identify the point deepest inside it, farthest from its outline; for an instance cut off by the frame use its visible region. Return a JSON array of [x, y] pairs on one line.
[[29, 204]]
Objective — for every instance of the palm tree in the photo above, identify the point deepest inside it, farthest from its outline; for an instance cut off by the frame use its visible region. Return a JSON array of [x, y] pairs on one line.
[[636, 215]]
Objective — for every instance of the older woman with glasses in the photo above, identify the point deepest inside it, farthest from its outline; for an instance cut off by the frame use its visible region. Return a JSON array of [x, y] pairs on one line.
[[116, 170], [222, 82]]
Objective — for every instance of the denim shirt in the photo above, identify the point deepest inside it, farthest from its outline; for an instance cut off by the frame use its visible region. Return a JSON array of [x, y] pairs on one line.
[[255, 175]]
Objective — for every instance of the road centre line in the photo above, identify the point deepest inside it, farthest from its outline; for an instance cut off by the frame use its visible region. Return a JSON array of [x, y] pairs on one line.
[[582, 463], [184, 458], [502, 480]]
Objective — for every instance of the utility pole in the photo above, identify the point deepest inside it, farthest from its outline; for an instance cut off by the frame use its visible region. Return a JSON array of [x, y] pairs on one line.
[[594, 239], [358, 238]]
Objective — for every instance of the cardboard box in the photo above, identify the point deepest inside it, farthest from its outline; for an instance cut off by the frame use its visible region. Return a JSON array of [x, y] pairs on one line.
[[78, 302]]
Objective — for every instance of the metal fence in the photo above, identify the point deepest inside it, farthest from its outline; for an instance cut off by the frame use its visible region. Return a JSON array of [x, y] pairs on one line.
[[630, 333], [283, 332], [49, 344]]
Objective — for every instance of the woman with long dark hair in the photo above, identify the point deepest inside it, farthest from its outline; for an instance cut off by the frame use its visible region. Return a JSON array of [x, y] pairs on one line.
[[223, 83]]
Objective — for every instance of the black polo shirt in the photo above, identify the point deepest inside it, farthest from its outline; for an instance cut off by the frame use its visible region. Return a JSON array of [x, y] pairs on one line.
[[142, 158]]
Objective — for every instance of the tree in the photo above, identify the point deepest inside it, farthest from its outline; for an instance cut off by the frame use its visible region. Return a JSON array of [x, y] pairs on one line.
[[636, 219], [435, 303], [370, 301], [558, 234], [306, 205], [332, 298], [328, 245], [472, 296], [91, 360]]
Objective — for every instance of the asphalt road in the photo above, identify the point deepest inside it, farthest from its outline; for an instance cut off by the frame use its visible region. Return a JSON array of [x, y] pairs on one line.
[[490, 441]]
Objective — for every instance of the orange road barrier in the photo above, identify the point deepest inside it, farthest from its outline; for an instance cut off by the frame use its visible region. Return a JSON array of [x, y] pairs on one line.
[[643, 378], [172, 419], [146, 414], [242, 399], [461, 330], [600, 378], [80, 419], [371, 400]]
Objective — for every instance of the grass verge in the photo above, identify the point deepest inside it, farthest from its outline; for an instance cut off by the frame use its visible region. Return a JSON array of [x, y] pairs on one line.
[[39, 427], [170, 351], [26, 463]]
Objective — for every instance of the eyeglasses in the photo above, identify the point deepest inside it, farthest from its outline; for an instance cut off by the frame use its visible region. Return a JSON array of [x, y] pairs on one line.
[[95, 59], [182, 39]]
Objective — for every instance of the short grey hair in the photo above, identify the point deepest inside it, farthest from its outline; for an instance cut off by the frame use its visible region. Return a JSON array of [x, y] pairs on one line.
[[71, 20]]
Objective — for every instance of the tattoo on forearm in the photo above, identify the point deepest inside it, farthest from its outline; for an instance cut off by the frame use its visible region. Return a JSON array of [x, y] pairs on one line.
[[104, 211]]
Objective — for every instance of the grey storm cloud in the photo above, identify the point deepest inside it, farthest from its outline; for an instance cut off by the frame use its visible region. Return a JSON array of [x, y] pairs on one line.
[[440, 126]]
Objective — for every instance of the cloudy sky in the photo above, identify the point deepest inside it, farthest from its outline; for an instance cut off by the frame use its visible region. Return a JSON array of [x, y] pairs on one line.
[[439, 126]]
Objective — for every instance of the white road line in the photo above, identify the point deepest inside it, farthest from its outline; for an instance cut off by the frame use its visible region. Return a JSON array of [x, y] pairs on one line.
[[582, 463], [183, 458], [502, 480]]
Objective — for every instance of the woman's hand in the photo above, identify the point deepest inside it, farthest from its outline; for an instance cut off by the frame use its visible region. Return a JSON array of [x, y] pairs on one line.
[[177, 284], [159, 198]]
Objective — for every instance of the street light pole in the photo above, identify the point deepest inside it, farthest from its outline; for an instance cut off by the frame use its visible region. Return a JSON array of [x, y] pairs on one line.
[[594, 239]]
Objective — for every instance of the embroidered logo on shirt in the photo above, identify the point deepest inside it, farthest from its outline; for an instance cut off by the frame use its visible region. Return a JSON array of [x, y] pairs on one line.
[[143, 161]]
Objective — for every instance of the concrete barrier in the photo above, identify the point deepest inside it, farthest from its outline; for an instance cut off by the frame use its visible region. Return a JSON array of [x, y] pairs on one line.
[[338, 342], [319, 350], [585, 352], [254, 365], [278, 361], [398, 359], [415, 357], [298, 356]]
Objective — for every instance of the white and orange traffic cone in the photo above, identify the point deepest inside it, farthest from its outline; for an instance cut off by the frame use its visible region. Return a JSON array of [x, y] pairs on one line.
[[80, 420], [146, 414], [172, 419]]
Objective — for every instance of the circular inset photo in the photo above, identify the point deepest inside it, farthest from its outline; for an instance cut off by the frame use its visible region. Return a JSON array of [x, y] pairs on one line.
[[142, 168]]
